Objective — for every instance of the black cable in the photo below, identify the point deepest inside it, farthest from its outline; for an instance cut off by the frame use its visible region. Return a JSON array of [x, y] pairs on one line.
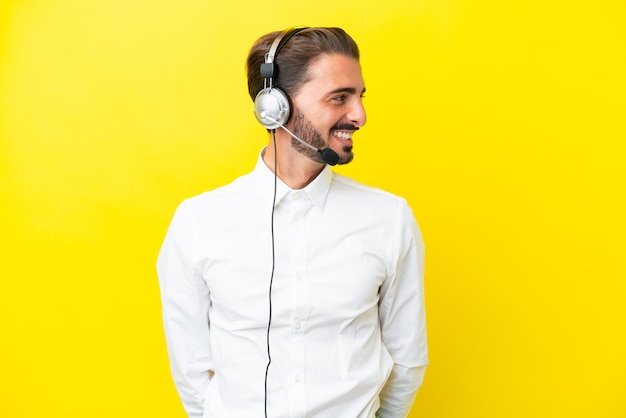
[[269, 320]]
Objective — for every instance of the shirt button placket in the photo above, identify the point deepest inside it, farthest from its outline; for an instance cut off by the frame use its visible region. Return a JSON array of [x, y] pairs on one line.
[[301, 301]]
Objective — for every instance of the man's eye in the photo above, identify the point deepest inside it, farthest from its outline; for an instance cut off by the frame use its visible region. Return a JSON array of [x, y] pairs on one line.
[[339, 99]]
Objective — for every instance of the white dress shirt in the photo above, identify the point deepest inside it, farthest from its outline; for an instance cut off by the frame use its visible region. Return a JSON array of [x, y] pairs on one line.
[[348, 333]]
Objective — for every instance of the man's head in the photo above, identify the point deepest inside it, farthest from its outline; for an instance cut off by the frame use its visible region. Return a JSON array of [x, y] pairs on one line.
[[319, 71]]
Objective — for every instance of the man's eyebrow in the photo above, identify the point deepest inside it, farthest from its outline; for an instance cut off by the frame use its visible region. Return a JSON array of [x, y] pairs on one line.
[[350, 90]]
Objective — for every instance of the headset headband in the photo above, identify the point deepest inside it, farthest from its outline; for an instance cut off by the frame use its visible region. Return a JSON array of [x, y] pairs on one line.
[[268, 68]]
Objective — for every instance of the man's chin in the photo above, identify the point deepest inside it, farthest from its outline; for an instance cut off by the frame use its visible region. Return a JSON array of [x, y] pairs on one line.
[[346, 156]]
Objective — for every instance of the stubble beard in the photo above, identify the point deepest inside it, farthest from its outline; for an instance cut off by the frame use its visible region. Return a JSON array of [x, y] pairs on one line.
[[304, 129]]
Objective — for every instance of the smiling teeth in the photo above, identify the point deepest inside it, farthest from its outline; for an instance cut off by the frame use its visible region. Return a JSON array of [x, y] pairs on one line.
[[343, 135]]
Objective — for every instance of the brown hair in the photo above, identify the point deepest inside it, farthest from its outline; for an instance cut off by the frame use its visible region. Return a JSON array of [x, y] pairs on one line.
[[296, 56]]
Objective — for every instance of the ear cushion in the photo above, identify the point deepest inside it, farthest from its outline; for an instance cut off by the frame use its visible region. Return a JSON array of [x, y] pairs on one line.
[[271, 108]]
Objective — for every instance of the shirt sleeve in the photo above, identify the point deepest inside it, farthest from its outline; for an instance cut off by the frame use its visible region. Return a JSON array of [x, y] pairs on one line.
[[403, 321], [185, 305], [399, 392]]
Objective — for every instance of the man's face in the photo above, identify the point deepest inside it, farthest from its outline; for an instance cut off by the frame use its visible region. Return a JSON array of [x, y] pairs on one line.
[[329, 107]]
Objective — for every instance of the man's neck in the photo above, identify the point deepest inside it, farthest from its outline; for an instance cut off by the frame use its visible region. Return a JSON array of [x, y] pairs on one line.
[[294, 169]]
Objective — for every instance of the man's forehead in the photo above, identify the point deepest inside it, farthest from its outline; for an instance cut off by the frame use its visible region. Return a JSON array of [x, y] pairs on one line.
[[339, 70]]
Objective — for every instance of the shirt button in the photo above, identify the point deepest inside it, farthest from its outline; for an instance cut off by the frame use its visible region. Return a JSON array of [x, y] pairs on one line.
[[296, 226], [298, 276], [297, 378], [298, 326]]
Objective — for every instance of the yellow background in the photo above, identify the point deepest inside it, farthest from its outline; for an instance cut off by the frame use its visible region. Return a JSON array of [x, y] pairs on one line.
[[502, 123]]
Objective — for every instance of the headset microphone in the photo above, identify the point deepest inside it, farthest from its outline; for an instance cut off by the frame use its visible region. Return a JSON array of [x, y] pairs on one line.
[[327, 155]]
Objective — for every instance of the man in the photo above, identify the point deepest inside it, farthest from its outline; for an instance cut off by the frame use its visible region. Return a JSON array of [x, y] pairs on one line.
[[295, 291]]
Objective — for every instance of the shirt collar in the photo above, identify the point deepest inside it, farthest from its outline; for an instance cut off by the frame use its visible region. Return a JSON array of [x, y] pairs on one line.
[[317, 190]]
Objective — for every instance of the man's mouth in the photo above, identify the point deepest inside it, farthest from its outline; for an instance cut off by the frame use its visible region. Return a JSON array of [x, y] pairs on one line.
[[345, 135], [344, 131]]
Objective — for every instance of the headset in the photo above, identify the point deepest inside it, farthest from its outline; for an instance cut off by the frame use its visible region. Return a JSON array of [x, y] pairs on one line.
[[272, 110], [271, 104]]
